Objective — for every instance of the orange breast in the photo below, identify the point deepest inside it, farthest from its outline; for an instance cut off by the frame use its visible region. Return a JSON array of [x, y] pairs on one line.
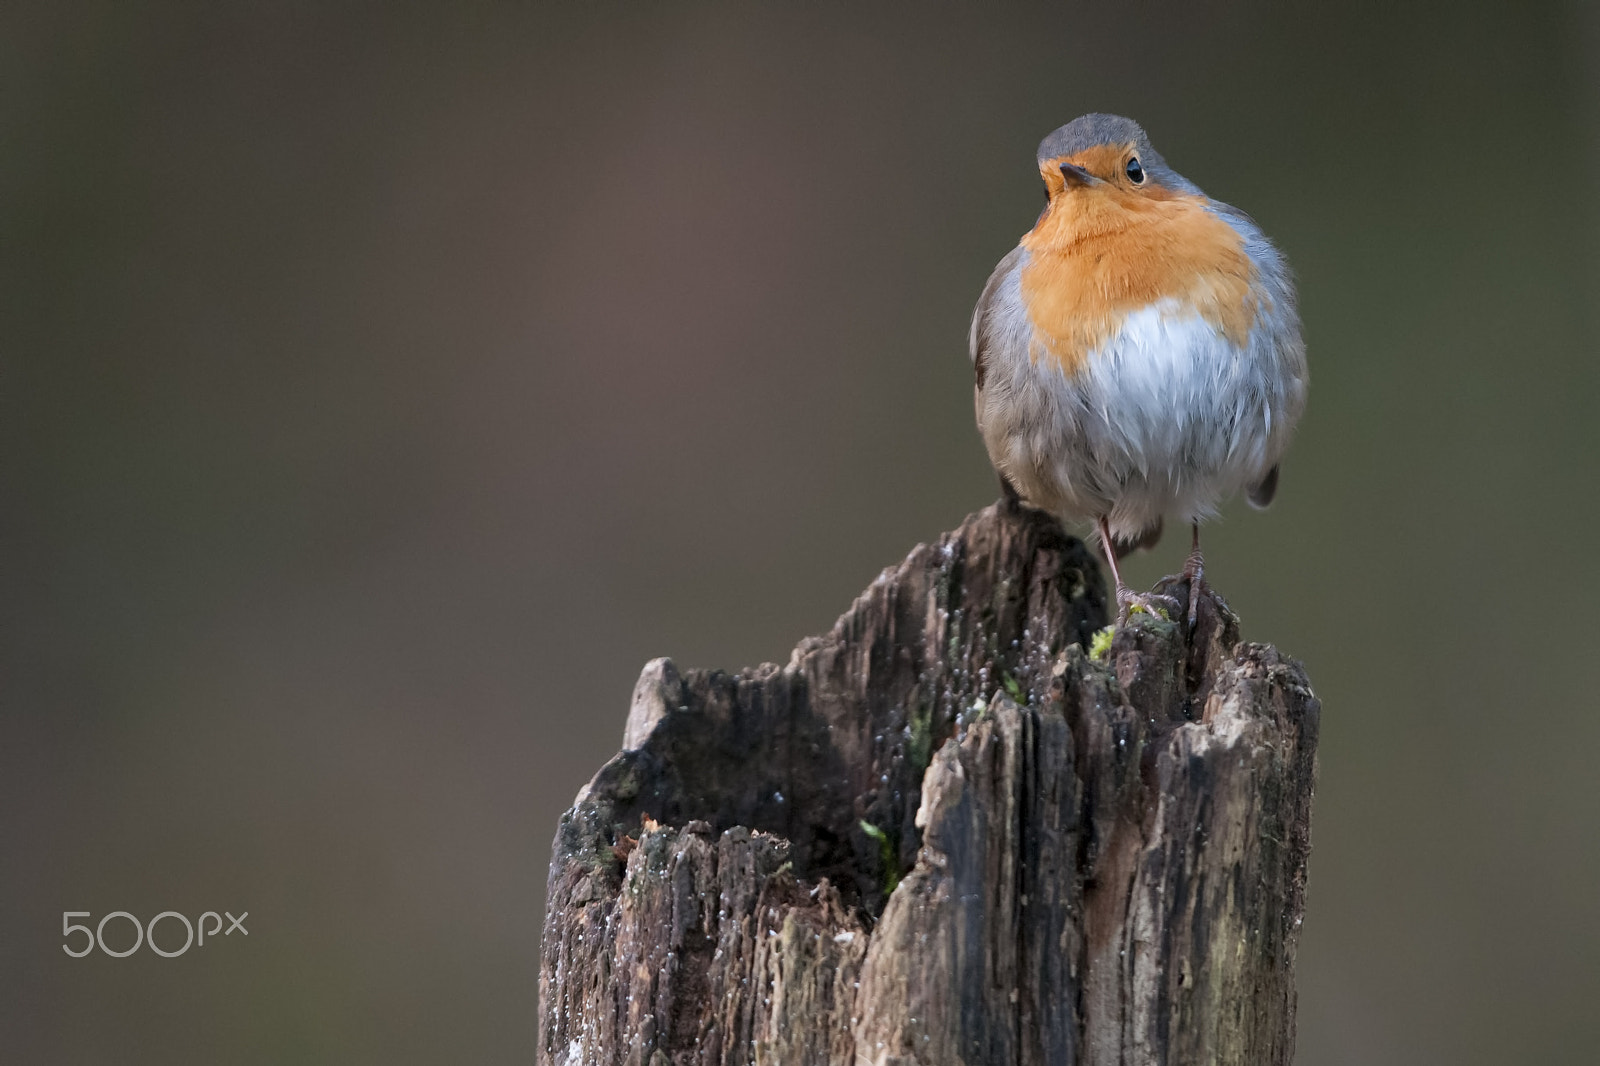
[[1102, 252]]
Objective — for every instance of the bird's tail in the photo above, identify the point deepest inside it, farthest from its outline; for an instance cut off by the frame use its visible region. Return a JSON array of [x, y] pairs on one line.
[[1262, 492]]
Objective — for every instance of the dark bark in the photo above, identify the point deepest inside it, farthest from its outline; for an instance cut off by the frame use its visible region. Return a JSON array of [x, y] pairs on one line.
[[947, 833]]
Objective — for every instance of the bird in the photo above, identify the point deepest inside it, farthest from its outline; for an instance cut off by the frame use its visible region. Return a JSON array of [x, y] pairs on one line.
[[1139, 353]]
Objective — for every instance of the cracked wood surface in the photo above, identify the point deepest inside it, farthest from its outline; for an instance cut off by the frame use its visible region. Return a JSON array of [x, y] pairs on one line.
[[943, 833]]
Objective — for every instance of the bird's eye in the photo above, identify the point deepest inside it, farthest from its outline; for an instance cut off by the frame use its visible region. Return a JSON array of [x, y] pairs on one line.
[[1135, 171]]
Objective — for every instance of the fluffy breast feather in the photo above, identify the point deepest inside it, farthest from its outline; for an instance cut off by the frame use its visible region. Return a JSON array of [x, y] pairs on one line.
[[1096, 257], [1172, 405]]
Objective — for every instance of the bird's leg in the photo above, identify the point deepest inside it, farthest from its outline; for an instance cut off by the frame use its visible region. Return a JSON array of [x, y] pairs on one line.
[[1195, 571], [1124, 597]]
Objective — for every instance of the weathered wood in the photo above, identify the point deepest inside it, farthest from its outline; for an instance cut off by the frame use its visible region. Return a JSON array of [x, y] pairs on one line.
[[946, 833]]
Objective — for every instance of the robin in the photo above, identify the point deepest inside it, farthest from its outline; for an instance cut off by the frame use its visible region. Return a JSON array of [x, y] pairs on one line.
[[1138, 354]]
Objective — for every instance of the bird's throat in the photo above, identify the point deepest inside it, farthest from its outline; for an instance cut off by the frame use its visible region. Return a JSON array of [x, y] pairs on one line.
[[1100, 254]]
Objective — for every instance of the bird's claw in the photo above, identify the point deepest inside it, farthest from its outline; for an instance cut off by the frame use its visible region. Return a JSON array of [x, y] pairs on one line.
[[1155, 604]]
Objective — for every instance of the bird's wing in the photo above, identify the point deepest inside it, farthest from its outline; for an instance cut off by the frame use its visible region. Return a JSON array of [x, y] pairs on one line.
[[977, 336]]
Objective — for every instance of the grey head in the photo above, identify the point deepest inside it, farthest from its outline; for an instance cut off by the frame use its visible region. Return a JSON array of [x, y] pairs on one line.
[[1099, 130]]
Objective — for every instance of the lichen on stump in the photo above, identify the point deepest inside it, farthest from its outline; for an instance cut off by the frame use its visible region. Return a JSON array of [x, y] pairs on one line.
[[944, 833]]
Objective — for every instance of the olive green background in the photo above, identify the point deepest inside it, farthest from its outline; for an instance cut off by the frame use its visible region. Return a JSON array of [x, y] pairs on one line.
[[383, 384]]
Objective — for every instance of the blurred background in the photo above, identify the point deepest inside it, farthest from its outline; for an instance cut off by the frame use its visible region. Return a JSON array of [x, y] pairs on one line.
[[383, 384]]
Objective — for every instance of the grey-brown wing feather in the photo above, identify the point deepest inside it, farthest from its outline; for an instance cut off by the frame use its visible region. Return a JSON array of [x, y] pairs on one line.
[[977, 336]]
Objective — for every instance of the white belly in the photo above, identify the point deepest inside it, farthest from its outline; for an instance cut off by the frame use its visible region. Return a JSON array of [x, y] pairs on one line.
[[1167, 417]]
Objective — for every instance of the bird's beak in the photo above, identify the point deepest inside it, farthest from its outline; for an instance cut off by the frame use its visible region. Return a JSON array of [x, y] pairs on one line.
[[1077, 176]]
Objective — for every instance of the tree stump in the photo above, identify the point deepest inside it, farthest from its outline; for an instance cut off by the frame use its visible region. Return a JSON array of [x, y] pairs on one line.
[[947, 832]]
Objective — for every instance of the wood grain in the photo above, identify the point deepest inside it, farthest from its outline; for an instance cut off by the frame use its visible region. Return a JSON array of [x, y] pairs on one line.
[[944, 833]]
